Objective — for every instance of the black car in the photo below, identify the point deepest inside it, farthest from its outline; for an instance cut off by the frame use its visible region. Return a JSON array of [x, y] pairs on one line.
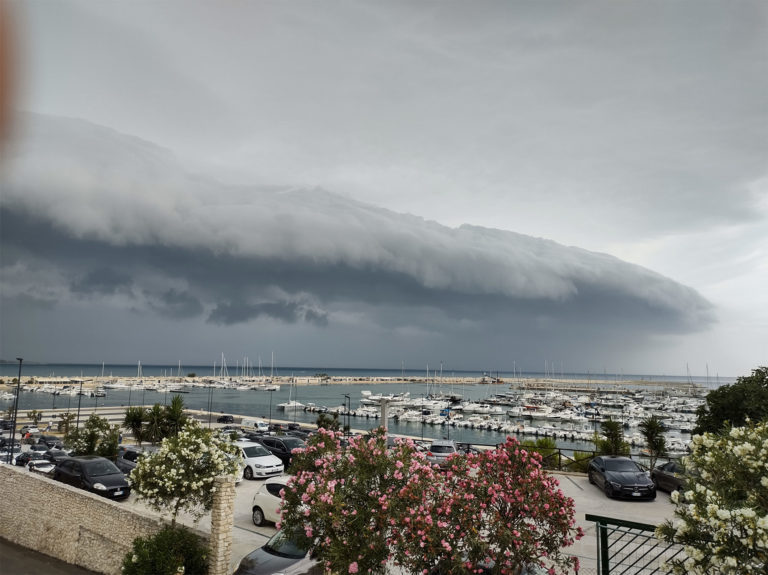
[[279, 555], [225, 419], [24, 458], [6, 424], [669, 476], [56, 455], [50, 441], [282, 446], [621, 477], [128, 457], [93, 473]]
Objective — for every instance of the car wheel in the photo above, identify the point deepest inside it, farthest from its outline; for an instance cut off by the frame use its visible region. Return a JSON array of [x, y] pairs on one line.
[[608, 490], [257, 516], [655, 483], [591, 479], [248, 473], [653, 495]]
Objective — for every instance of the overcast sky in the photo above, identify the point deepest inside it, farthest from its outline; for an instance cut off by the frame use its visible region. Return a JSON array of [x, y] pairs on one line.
[[485, 184]]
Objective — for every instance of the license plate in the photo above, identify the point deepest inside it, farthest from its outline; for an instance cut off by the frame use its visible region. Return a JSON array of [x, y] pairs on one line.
[[636, 494], [119, 492]]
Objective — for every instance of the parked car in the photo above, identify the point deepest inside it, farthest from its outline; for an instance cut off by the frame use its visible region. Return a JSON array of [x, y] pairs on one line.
[[281, 554], [282, 447], [24, 458], [6, 424], [225, 419], [56, 455], [669, 476], [128, 456], [93, 473], [39, 447], [6, 442], [621, 477], [50, 441], [28, 429], [7, 448], [266, 501], [259, 461], [441, 450]]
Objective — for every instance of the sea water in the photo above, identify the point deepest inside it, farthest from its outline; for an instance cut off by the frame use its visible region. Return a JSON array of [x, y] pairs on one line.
[[263, 404]]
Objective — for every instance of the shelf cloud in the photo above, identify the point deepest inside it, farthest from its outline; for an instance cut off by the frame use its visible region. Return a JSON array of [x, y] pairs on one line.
[[92, 215]]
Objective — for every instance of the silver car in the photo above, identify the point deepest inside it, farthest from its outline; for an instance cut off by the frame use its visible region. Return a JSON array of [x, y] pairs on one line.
[[441, 450]]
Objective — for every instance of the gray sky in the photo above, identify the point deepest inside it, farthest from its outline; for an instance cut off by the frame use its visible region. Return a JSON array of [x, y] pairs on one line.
[[365, 183]]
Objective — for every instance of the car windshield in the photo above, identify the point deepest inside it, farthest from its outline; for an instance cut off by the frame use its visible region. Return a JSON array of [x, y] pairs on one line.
[[255, 451], [99, 467], [621, 465], [283, 546], [293, 443], [442, 449]]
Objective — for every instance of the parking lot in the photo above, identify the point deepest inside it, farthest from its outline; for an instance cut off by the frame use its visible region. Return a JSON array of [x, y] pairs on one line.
[[588, 499]]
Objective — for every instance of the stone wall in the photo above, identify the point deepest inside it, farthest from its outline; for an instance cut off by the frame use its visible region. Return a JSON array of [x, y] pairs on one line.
[[67, 523]]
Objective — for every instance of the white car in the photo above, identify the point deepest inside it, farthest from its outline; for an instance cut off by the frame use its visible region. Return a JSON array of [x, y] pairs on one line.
[[259, 462], [266, 501]]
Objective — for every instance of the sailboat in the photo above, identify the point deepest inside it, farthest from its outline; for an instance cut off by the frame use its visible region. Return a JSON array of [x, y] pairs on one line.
[[291, 405]]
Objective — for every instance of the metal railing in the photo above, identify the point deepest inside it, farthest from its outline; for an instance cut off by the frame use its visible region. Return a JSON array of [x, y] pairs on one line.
[[630, 548]]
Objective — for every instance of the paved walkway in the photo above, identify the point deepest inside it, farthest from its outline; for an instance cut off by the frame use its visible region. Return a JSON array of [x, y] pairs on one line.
[[17, 560]]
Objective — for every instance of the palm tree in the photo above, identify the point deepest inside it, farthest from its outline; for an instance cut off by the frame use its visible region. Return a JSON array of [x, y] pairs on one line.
[[155, 421], [613, 443], [652, 429], [135, 418], [175, 418]]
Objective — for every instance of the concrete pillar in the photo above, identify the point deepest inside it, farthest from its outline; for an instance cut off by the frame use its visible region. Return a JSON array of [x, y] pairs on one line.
[[385, 414], [222, 517]]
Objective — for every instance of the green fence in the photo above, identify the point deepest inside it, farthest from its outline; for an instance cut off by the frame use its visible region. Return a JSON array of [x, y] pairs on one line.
[[630, 548]]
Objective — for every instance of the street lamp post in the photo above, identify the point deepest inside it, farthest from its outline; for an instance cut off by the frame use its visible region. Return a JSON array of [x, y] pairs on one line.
[[210, 404], [15, 410], [349, 408], [79, 400], [422, 416]]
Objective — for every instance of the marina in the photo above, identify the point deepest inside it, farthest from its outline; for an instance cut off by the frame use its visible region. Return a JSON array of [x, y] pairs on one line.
[[475, 409]]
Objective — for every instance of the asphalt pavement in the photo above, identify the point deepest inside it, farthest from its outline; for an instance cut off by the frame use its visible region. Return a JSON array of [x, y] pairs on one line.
[[18, 560]]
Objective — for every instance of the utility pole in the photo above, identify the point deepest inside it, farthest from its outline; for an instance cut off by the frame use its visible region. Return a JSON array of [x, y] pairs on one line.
[[15, 410]]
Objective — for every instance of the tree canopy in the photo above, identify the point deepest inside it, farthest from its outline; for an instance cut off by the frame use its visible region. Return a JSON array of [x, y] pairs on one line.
[[735, 404]]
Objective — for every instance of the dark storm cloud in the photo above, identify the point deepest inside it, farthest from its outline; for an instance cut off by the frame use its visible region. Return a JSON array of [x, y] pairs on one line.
[[112, 212], [175, 304], [101, 281], [286, 311]]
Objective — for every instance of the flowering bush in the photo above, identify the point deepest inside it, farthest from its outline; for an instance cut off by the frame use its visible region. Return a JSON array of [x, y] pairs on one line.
[[360, 508], [181, 473], [495, 508], [722, 517], [341, 502]]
